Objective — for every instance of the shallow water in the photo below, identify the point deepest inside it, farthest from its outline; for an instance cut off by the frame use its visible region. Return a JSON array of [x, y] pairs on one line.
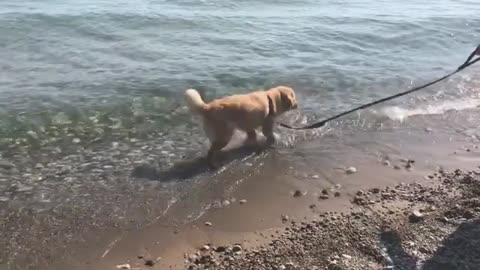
[[91, 90]]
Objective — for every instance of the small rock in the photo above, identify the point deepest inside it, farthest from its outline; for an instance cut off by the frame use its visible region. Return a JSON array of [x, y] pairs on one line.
[[312, 206], [346, 256], [424, 250], [226, 203], [285, 218], [337, 186], [351, 170], [337, 194], [360, 193], [282, 267], [124, 266], [297, 193], [324, 192], [205, 248], [149, 263], [386, 163], [242, 201], [416, 216], [397, 167], [236, 248], [76, 140], [375, 190], [220, 249], [324, 197], [208, 224], [315, 176]]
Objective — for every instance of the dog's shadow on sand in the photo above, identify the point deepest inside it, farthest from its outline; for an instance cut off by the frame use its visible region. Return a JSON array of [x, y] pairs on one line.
[[186, 169], [459, 251]]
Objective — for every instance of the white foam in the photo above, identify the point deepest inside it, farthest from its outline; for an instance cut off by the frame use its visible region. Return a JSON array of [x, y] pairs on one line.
[[400, 114]]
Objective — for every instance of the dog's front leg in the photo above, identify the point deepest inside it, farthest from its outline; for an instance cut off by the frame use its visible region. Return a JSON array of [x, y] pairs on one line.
[[267, 130]]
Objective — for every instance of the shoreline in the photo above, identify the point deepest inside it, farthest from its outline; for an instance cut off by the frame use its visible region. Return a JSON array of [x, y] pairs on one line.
[[289, 180], [271, 207]]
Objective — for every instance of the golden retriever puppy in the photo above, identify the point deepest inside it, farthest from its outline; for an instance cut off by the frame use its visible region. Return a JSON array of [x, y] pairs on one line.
[[245, 112]]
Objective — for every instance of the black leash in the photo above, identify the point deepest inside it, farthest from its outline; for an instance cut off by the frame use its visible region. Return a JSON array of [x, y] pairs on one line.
[[467, 63]]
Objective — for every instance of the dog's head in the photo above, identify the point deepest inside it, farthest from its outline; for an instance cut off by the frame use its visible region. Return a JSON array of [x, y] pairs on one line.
[[283, 98]]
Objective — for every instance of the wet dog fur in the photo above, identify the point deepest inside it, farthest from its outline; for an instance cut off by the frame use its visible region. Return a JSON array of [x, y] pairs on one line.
[[245, 112]]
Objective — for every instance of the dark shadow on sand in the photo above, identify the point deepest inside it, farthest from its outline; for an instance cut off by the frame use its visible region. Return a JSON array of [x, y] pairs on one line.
[[186, 169], [460, 250], [398, 258]]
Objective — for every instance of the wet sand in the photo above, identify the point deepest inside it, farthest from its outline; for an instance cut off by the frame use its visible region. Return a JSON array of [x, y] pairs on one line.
[[272, 206]]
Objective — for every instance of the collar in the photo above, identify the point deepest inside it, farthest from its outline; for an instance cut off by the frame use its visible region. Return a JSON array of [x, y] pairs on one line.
[[271, 109]]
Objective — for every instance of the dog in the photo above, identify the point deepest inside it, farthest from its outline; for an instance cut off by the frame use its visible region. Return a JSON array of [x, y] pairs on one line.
[[245, 112]]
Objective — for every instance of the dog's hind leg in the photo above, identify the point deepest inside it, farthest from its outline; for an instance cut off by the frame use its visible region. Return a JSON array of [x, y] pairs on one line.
[[222, 137]]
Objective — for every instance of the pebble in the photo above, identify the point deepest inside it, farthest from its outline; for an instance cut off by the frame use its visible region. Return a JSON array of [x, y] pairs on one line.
[[297, 193], [315, 176], [351, 170], [208, 224], [324, 192], [337, 194], [282, 267], [242, 201], [76, 140], [124, 266], [360, 193], [236, 248], [346, 256], [205, 248], [220, 249], [416, 216], [397, 167], [324, 197], [285, 218], [226, 203], [386, 163], [149, 263]]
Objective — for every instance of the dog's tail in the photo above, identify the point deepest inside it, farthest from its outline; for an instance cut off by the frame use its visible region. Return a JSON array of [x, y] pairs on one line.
[[195, 101]]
